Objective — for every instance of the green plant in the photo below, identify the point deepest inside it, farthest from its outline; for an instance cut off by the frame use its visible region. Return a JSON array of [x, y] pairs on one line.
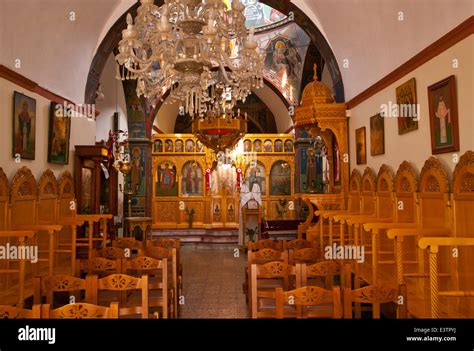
[[281, 207], [251, 233]]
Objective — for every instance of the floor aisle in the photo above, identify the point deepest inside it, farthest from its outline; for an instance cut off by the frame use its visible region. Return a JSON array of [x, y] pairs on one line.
[[213, 283]]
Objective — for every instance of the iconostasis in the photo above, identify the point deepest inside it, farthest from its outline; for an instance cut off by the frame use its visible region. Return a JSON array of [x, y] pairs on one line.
[[194, 187]]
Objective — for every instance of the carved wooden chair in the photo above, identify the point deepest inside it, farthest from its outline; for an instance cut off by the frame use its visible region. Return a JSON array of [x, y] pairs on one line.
[[307, 255], [375, 295], [161, 292], [298, 244], [12, 312], [264, 279], [113, 253], [326, 274], [175, 283], [308, 302], [264, 244], [4, 204], [81, 310], [120, 285], [100, 265], [260, 257], [58, 284]]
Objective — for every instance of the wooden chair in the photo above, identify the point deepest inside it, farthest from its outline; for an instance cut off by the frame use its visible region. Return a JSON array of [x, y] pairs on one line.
[[58, 284], [260, 257], [101, 266], [81, 311], [264, 279], [307, 255], [174, 269], [21, 237], [175, 259], [308, 302], [12, 312], [298, 244], [376, 295], [324, 274], [122, 284], [113, 253], [264, 244], [157, 272]]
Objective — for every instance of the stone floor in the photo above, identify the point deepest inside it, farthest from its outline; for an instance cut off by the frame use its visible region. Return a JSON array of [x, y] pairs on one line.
[[213, 280]]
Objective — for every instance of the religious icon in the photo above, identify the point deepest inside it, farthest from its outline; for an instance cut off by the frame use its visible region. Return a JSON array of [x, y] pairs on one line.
[[199, 146], [377, 138], [256, 174], [407, 107], [158, 146], [361, 151], [280, 179], [24, 126], [247, 146], [192, 179], [278, 146], [58, 135], [178, 147], [169, 145], [136, 173], [166, 182], [288, 146], [267, 146], [444, 116], [257, 146]]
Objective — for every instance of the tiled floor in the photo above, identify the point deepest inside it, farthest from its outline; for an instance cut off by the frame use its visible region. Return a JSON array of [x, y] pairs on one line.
[[213, 281]]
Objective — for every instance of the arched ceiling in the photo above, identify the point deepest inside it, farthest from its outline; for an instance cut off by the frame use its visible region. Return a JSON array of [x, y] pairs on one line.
[[57, 52]]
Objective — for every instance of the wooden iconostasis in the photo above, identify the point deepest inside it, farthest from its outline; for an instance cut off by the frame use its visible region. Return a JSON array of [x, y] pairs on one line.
[[192, 182]]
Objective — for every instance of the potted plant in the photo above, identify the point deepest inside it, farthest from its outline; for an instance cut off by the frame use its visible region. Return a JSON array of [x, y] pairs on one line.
[[190, 213], [281, 208], [251, 233]]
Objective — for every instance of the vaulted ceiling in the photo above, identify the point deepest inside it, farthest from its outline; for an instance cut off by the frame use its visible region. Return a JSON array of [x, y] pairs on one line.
[[56, 51]]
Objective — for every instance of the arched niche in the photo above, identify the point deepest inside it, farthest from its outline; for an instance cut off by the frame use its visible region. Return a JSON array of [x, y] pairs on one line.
[[114, 35]]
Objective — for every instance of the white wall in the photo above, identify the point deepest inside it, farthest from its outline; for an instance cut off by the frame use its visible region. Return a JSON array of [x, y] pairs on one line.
[[416, 146], [82, 133], [114, 101]]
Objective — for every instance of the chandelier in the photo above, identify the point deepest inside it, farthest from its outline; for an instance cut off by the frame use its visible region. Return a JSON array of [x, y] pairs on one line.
[[199, 49]]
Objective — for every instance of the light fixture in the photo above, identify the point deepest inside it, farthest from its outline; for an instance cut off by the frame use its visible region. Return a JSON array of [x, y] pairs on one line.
[[200, 49]]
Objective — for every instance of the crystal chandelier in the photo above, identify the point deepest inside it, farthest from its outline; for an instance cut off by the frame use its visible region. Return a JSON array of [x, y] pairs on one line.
[[199, 49]]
